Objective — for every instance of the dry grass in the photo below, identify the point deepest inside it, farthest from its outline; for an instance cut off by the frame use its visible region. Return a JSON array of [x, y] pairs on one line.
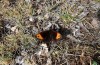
[[68, 51]]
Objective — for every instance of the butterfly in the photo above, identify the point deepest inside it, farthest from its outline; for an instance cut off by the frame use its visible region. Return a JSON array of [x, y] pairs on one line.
[[53, 34]]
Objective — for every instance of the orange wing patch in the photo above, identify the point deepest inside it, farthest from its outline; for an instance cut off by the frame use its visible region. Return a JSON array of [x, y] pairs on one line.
[[39, 36], [58, 36]]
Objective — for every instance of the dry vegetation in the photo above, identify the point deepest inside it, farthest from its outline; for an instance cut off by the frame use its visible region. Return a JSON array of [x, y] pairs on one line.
[[21, 20]]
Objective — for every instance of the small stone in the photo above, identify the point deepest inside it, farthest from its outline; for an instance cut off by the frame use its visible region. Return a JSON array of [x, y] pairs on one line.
[[31, 18]]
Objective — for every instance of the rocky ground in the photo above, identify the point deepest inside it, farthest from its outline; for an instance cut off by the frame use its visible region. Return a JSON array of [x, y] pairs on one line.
[[21, 20]]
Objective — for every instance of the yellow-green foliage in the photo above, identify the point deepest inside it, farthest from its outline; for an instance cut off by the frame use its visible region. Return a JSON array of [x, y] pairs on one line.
[[19, 11], [97, 0]]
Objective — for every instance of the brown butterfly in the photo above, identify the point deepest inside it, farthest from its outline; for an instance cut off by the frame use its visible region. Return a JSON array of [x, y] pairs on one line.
[[53, 34]]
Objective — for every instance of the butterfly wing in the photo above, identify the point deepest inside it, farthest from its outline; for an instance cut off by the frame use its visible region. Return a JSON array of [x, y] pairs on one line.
[[44, 36]]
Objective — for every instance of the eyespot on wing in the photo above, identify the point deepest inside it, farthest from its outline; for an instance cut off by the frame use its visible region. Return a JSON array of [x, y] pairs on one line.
[[58, 36], [39, 36]]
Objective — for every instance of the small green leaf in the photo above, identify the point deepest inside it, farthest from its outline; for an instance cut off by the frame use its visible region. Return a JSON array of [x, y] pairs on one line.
[[94, 63]]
